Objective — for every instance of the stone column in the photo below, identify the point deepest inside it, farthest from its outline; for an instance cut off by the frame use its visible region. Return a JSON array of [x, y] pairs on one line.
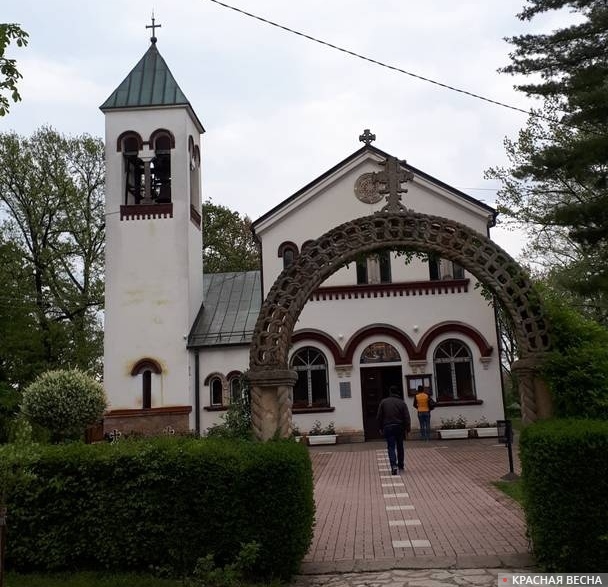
[[271, 399], [535, 399]]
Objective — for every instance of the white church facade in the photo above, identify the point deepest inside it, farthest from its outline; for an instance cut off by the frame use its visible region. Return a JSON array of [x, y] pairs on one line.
[[177, 340]]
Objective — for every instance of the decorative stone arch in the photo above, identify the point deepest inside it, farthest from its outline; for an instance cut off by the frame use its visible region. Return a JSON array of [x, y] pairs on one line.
[[497, 270]]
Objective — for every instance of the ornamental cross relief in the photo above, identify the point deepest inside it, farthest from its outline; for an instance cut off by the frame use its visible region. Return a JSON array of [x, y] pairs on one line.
[[390, 181]]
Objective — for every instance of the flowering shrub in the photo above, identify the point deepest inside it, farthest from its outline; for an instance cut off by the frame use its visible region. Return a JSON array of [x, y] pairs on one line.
[[453, 423], [483, 423], [318, 430], [65, 402]]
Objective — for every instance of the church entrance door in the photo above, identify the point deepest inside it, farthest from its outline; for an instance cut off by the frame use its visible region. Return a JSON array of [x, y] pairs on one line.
[[375, 382]]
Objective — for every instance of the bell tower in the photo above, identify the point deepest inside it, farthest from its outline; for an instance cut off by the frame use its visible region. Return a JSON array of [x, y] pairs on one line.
[[154, 261]]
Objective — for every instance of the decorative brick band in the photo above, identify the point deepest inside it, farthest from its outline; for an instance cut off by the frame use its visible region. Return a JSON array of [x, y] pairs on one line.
[[146, 211], [165, 410], [150, 422], [388, 290]]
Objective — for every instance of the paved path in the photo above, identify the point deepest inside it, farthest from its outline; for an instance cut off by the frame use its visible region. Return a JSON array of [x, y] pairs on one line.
[[405, 578], [442, 516]]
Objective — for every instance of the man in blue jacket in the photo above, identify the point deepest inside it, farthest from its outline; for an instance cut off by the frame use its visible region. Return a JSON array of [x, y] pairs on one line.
[[394, 422]]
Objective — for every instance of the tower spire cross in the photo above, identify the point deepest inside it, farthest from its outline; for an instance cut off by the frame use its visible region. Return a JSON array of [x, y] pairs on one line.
[[367, 137], [153, 26], [390, 181]]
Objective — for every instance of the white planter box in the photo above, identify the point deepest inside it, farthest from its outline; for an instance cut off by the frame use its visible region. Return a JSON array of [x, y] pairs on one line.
[[323, 439], [486, 432], [454, 433]]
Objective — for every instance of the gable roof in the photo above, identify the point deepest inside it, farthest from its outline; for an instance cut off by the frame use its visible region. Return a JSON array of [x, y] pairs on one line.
[[149, 84], [384, 155], [230, 310]]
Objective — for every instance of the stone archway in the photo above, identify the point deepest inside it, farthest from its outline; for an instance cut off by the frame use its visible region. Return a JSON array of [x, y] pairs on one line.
[[497, 270]]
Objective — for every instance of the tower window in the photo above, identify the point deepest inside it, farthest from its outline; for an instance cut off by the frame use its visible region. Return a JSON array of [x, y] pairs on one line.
[[195, 164], [160, 169], [146, 368], [130, 144], [147, 390]]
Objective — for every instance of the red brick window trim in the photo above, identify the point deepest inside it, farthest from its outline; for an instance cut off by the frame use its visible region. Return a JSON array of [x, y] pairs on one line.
[[146, 211]]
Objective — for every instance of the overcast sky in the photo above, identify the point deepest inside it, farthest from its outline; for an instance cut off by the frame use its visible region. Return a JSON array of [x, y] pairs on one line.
[[279, 110]]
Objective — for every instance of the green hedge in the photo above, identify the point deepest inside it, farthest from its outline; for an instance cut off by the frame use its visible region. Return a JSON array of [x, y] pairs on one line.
[[162, 503], [565, 475]]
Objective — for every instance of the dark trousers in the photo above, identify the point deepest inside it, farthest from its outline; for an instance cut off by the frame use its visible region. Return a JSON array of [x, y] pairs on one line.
[[425, 425], [394, 435]]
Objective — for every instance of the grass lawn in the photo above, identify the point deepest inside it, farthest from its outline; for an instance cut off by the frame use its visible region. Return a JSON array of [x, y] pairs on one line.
[[516, 424], [514, 489]]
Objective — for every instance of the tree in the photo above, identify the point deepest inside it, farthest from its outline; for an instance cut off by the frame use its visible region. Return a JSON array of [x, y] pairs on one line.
[[530, 202], [560, 169], [20, 341], [9, 74], [228, 242], [576, 369], [51, 203], [65, 402]]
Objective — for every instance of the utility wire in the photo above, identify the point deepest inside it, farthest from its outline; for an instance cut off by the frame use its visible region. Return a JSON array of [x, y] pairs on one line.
[[392, 67]]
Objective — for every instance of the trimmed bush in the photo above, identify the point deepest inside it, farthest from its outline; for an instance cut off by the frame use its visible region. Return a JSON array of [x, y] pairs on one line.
[[162, 503], [577, 367], [565, 488], [64, 402]]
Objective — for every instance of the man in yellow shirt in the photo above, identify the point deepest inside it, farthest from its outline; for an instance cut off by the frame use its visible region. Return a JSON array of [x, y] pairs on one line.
[[423, 402]]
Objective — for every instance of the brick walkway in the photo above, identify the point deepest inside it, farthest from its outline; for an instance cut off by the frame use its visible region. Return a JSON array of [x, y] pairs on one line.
[[442, 512]]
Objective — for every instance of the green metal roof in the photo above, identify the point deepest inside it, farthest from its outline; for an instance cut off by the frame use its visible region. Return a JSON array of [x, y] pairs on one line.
[[150, 83], [230, 310]]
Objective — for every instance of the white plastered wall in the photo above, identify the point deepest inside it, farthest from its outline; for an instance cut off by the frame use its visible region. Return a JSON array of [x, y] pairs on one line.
[[333, 202], [153, 271]]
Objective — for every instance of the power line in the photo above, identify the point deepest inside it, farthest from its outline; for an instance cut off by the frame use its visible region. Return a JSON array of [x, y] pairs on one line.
[[392, 67]]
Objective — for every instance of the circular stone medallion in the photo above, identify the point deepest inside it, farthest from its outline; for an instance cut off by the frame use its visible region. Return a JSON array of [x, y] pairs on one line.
[[366, 190]]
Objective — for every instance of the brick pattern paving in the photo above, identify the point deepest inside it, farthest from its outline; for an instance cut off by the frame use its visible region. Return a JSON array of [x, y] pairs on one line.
[[443, 505]]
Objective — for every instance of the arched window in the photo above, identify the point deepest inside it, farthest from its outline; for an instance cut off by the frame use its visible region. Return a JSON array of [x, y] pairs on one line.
[[195, 164], [311, 390], [216, 390], [234, 384], [380, 352], [453, 364], [160, 167], [289, 252], [147, 390], [146, 368], [130, 144]]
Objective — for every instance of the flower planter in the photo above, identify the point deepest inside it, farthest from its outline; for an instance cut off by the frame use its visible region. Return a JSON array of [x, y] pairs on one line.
[[323, 439], [454, 433], [486, 432]]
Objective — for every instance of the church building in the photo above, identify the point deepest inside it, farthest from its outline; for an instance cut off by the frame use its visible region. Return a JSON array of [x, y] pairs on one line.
[[177, 339]]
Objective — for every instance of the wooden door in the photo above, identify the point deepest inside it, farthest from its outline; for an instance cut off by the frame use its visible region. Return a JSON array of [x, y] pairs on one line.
[[375, 382]]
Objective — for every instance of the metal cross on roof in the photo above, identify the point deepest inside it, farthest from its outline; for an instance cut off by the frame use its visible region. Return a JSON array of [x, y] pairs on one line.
[[153, 26], [367, 137], [390, 181]]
